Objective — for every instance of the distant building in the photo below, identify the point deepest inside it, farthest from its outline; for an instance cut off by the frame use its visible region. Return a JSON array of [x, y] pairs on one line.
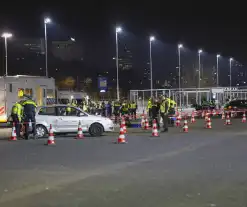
[[28, 45], [66, 50], [126, 60]]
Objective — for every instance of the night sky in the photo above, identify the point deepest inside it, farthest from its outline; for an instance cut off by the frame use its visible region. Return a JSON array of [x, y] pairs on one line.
[[215, 27]]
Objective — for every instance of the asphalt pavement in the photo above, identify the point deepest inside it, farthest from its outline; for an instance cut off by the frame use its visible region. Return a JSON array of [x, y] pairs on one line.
[[205, 167]]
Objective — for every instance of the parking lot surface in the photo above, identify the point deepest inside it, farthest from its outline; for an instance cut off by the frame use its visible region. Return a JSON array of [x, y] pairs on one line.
[[204, 167]]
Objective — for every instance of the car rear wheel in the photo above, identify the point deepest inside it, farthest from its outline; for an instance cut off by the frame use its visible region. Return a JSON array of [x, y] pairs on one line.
[[41, 131], [96, 130]]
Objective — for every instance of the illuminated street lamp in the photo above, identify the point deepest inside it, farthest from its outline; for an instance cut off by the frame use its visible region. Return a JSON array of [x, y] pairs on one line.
[[6, 35], [199, 68], [151, 39], [180, 46], [46, 21], [118, 30], [230, 63], [217, 69]]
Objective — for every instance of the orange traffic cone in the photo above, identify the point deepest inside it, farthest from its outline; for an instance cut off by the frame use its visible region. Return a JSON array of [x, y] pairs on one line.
[[185, 128], [178, 124], [143, 122], [51, 140], [228, 121], [146, 124], [121, 137], [155, 132], [80, 134], [13, 134], [193, 118], [123, 125], [206, 116], [244, 118], [209, 124]]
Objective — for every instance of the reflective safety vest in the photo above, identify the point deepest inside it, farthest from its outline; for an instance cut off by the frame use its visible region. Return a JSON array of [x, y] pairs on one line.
[[163, 106], [31, 102], [169, 102], [172, 103], [17, 110], [133, 105], [149, 104], [68, 109], [125, 107]]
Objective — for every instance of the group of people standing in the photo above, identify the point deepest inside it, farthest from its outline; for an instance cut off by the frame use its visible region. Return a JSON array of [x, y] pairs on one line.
[[163, 106]]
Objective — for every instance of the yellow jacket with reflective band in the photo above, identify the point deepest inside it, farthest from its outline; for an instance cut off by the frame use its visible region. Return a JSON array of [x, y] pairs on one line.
[[31, 102], [163, 106], [172, 103], [149, 104], [125, 107], [68, 109], [133, 105], [169, 102], [17, 109]]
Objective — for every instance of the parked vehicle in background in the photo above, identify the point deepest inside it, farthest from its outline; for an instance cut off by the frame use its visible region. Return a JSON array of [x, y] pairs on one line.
[[15, 88], [66, 121], [65, 97]]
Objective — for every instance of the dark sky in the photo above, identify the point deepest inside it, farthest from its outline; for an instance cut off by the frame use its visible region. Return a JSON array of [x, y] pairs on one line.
[[213, 26]]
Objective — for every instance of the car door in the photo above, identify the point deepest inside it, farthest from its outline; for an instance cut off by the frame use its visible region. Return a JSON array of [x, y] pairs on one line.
[[68, 120], [47, 116]]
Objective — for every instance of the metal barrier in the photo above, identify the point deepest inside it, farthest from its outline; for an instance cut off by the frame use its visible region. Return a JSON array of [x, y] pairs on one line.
[[188, 96]]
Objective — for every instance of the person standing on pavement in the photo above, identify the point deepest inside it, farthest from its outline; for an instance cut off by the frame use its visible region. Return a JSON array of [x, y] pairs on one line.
[[16, 114], [29, 115], [116, 110], [155, 111], [164, 107], [133, 108]]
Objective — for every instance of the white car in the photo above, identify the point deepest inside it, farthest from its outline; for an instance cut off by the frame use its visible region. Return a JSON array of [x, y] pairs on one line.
[[65, 119]]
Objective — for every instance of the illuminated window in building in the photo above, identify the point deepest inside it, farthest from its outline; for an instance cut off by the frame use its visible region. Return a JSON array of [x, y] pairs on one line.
[[20, 92]]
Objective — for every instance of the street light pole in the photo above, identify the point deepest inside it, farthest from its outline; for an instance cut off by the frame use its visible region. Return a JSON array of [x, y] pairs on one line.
[[217, 69], [151, 39], [199, 74], [118, 30], [46, 21], [199, 68], [230, 62], [179, 73], [6, 36]]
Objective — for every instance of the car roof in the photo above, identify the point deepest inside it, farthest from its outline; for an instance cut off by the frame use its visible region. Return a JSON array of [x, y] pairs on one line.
[[54, 105]]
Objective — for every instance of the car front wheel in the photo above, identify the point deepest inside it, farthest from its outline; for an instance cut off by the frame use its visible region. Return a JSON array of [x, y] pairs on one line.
[[41, 131], [96, 130]]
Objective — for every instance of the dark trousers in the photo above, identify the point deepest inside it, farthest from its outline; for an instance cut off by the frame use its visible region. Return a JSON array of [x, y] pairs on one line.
[[17, 124], [33, 120], [133, 112], [150, 112], [165, 120]]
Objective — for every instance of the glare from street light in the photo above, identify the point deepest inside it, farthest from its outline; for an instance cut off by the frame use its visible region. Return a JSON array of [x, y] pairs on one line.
[[118, 29], [200, 51], [47, 20], [152, 38], [231, 59], [218, 55], [72, 39], [6, 35], [180, 46]]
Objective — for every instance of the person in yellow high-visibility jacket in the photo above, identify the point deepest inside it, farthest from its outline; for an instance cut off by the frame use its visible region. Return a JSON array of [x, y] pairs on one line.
[[17, 115], [149, 107]]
